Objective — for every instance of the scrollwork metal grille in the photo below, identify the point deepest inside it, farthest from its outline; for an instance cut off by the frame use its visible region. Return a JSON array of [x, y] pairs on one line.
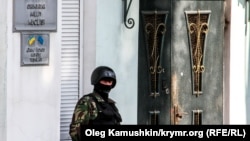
[[197, 117], [154, 29], [197, 23]]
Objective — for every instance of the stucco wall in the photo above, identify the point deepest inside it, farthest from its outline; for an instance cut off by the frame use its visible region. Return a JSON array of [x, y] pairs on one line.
[[237, 103], [3, 54], [33, 92], [117, 47]]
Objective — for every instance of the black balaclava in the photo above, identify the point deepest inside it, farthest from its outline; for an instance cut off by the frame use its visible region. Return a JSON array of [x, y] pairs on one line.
[[103, 73], [103, 90]]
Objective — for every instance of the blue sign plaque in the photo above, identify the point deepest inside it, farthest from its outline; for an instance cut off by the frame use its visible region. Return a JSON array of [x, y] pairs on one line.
[[35, 49]]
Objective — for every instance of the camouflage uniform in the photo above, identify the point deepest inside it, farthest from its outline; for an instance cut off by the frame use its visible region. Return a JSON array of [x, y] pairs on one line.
[[96, 108], [86, 110]]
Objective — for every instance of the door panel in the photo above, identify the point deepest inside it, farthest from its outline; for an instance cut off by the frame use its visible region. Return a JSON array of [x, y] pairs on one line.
[[154, 62], [187, 87]]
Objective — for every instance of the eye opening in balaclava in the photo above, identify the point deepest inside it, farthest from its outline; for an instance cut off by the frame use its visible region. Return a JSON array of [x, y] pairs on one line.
[[103, 89]]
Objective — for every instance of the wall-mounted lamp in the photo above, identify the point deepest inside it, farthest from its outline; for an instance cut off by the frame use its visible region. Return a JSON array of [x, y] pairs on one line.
[[130, 21]]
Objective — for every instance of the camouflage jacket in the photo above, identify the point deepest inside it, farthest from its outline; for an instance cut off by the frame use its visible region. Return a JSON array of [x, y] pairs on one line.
[[85, 110]]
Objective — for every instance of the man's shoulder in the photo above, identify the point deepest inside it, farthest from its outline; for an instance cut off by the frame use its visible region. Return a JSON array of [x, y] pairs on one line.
[[95, 97], [86, 98], [92, 97]]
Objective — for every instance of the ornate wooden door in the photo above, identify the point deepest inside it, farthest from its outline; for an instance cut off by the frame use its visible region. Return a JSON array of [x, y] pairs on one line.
[[180, 69]]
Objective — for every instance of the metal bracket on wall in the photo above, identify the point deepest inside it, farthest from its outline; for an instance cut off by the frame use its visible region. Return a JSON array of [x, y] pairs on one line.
[[130, 21], [247, 10]]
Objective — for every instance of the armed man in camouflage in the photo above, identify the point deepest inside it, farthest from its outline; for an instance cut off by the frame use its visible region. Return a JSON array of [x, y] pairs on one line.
[[96, 108]]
